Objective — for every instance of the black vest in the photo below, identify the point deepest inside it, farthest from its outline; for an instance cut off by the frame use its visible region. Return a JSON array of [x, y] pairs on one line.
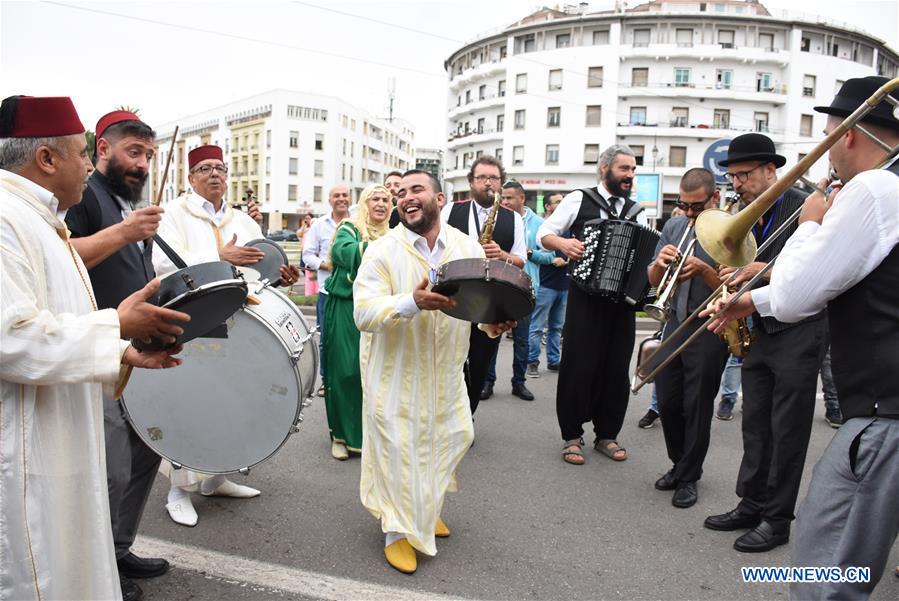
[[864, 348], [125, 271], [503, 229], [792, 200], [590, 209]]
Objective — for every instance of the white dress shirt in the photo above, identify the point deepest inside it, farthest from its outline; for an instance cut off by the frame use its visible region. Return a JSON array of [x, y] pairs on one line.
[[821, 261], [519, 244], [563, 217], [317, 247], [198, 202], [406, 306]]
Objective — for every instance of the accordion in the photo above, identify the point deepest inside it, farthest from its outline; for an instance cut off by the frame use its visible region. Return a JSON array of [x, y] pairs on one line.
[[616, 255]]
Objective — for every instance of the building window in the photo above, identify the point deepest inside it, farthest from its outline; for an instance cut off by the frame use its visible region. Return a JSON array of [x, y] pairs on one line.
[[521, 83], [500, 122], [517, 155], [481, 125], [501, 88], [805, 125], [766, 41], [467, 96], [268, 192], [761, 121], [837, 85], [268, 165], [591, 154], [594, 77], [726, 38], [525, 43], [319, 141], [268, 138], [835, 50], [292, 193], [638, 115], [293, 166], [317, 194], [553, 116], [763, 82], [555, 79], [482, 92], [519, 119], [680, 116], [594, 116], [677, 156], [724, 79], [639, 77], [684, 37], [721, 120], [805, 45], [320, 168], [600, 38], [681, 77], [808, 85], [641, 38], [552, 154], [498, 153], [294, 139], [638, 154], [563, 40]]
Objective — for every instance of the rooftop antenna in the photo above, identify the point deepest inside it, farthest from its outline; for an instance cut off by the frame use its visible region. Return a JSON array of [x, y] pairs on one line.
[[391, 94]]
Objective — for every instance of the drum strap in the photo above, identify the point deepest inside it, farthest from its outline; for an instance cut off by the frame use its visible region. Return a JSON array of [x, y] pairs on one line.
[[216, 229]]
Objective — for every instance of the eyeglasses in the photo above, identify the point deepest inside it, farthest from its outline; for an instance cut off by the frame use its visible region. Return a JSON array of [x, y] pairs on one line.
[[696, 206], [207, 169], [486, 178], [741, 176]]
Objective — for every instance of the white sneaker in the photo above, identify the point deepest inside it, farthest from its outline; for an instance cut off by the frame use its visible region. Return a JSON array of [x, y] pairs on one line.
[[182, 512], [338, 451], [231, 489], [533, 371]]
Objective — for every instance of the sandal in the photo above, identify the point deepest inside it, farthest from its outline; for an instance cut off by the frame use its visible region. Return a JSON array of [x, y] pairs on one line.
[[611, 449], [573, 451]]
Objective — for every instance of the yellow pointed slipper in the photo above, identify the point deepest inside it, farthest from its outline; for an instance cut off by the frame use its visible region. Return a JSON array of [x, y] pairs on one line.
[[401, 556], [441, 530]]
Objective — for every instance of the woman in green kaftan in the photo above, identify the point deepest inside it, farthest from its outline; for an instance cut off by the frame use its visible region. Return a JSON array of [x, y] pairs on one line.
[[343, 388]]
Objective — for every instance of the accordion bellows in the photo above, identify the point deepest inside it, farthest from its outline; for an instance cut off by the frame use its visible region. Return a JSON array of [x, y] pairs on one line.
[[616, 255]]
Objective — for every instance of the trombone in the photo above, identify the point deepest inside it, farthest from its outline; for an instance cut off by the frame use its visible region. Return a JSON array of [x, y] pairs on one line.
[[728, 238], [660, 310]]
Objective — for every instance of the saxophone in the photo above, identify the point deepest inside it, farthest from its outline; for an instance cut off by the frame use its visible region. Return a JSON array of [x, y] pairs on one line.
[[736, 333], [487, 233]]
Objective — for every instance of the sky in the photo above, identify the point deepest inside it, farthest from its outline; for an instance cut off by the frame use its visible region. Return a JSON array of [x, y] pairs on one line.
[[173, 59]]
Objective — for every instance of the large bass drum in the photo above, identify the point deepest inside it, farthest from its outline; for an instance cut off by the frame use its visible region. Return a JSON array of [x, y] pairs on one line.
[[236, 399]]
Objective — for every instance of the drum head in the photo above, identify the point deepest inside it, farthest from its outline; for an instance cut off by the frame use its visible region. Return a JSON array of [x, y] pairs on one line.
[[269, 267], [230, 406], [483, 301]]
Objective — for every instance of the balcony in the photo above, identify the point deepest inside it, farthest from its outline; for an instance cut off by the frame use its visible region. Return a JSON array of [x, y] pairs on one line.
[[477, 73], [474, 136], [771, 94], [697, 131], [489, 100], [706, 52]]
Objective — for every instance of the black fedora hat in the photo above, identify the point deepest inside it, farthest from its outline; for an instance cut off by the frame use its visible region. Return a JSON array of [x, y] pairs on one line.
[[855, 92], [752, 147]]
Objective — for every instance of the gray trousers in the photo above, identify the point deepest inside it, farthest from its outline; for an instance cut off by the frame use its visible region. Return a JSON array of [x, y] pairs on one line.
[[130, 469], [851, 514]]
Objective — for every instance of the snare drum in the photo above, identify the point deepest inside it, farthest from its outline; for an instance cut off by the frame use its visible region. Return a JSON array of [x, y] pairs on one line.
[[236, 400]]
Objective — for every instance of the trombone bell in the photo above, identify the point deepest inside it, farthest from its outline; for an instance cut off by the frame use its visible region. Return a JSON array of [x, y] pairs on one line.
[[724, 238]]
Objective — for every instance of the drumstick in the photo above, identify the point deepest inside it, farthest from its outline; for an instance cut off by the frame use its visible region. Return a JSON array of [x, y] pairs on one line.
[[165, 172]]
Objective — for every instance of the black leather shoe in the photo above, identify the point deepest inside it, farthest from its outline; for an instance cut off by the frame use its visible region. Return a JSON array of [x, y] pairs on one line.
[[666, 482], [486, 391], [522, 392], [685, 495], [132, 566], [553, 367], [130, 590], [763, 537], [732, 520]]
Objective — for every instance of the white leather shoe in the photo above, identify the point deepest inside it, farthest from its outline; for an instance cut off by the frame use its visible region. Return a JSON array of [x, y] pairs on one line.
[[231, 489], [338, 451], [182, 512]]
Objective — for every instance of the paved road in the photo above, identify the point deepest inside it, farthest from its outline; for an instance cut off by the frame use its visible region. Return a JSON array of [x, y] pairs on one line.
[[525, 525]]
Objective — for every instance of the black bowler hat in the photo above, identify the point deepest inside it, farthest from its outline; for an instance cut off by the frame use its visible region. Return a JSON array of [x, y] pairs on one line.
[[855, 92], [752, 147]]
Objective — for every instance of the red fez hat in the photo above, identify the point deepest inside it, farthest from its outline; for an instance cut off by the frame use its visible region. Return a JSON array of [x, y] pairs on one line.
[[201, 153], [36, 117], [113, 118]]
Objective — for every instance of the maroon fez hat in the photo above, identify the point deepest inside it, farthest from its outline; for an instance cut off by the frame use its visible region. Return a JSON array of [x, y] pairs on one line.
[[201, 153], [113, 118], [38, 117]]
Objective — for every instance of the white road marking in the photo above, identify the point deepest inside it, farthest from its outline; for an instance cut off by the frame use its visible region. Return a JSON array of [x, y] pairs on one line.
[[274, 576]]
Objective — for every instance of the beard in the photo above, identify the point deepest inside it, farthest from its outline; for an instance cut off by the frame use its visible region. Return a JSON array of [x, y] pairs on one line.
[[613, 185], [483, 197], [430, 213], [115, 176]]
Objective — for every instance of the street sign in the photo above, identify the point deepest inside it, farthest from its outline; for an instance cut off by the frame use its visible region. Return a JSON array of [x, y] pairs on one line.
[[717, 151], [648, 192]]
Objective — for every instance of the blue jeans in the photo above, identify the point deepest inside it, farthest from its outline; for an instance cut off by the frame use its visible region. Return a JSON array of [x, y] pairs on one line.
[[319, 316], [550, 308], [654, 403], [731, 379], [520, 350]]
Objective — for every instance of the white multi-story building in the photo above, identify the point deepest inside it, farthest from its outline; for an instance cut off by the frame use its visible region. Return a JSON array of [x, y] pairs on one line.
[[429, 159], [289, 148], [668, 78]]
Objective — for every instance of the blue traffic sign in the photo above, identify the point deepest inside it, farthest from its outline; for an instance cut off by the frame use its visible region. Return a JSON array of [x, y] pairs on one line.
[[717, 151]]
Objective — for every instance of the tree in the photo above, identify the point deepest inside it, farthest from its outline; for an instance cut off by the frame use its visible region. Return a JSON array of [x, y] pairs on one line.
[[125, 107], [91, 146]]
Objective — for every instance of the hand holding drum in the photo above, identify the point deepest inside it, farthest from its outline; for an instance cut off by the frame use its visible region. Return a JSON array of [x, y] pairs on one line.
[[430, 301]]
